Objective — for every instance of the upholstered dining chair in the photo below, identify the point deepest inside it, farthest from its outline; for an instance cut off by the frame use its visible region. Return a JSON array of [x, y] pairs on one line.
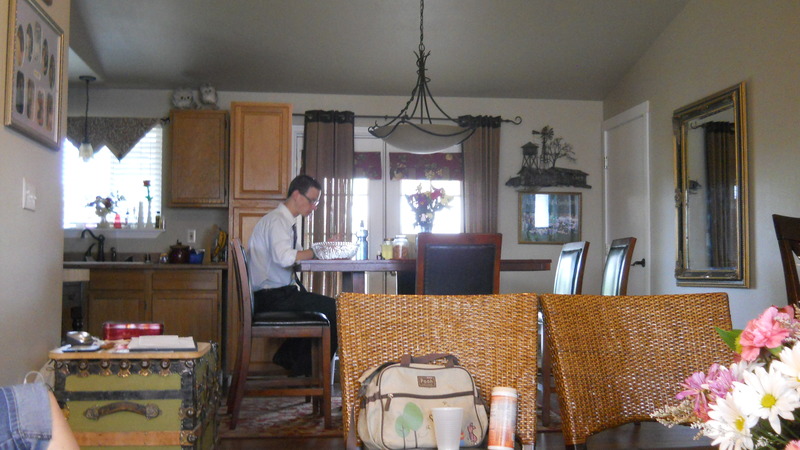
[[617, 267], [493, 336], [787, 230], [458, 264], [290, 325], [569, 281], [620, 358]]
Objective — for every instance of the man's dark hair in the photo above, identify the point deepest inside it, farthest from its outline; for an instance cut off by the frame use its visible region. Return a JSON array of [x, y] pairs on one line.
[[302, 183]]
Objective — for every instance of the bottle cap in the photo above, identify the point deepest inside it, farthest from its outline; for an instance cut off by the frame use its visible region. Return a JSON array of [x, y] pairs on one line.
[[504, 391]]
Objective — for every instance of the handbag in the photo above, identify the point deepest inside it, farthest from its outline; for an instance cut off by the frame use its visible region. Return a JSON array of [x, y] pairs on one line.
[[396, 401]]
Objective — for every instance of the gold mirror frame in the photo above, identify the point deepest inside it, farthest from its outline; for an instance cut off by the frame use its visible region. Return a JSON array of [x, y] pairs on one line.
[[711, 189]]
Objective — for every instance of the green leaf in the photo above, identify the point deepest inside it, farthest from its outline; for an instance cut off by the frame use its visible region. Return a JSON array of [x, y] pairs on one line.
[[730, 337], [413, 415]]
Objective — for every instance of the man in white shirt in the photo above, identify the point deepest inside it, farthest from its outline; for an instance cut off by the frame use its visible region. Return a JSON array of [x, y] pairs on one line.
[[273, 250]]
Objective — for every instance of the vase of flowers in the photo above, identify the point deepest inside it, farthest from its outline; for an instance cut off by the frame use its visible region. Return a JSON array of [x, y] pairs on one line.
[[149, 198], [755, 402], [103, 206], [426, 204]]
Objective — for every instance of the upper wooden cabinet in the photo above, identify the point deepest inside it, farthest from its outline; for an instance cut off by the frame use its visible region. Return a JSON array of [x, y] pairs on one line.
[[260, 151], [199, 155]]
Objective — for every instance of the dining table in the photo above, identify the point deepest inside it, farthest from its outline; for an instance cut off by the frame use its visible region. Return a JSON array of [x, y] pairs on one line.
[[354, 271]]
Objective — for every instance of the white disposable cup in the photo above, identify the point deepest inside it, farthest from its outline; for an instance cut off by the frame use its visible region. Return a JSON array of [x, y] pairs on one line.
[[447, 426]]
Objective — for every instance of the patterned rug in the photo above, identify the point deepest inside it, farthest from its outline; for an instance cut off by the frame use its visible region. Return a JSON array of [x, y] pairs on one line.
[[279, 417]]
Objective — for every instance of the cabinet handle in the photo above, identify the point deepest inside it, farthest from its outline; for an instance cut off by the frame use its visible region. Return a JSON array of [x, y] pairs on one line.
[[149, 410]]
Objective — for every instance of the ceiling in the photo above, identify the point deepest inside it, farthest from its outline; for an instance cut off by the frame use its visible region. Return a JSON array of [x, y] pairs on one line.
[[544, 49]]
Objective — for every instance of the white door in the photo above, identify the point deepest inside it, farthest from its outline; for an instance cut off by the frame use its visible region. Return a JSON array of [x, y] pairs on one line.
[[627, 189]]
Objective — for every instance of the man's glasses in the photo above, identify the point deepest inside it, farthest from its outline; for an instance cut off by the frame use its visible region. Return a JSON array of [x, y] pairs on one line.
[[313, 201]]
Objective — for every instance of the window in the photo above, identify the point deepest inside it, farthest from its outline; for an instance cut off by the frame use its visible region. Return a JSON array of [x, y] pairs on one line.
[[104, 175]]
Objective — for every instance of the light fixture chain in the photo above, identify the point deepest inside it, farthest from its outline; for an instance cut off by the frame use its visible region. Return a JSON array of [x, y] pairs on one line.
[[421, 32]]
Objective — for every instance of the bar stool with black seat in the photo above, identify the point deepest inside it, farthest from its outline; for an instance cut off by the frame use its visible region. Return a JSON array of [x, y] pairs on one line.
[[617, 267], [458, 264], [787, 230], [568, 281], [290, 325]]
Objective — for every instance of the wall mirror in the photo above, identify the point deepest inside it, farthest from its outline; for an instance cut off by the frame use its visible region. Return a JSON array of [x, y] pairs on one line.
[[711, 191]]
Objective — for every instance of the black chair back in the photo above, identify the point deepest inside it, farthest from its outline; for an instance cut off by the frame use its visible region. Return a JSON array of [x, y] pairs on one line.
[[458, 264], [787, 230], [617, 267], [569, 271]]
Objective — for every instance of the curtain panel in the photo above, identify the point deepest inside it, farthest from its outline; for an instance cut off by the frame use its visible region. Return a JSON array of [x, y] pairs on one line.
[[328, 156], [481, 173], [119, 134]]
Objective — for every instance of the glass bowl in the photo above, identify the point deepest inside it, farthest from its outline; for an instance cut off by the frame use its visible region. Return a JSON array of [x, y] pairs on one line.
[[334, 250]]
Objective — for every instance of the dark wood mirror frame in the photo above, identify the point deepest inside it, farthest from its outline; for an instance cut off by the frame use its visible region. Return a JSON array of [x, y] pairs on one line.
[[711, 191]]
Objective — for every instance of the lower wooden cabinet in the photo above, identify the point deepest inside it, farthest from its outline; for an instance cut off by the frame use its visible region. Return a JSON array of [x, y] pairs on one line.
[[188, 301]]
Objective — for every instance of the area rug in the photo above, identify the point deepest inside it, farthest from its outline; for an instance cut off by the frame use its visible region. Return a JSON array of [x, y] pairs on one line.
[[279, 417]]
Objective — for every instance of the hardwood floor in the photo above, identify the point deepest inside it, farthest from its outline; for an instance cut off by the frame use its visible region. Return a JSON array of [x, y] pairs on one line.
[[648, 435]]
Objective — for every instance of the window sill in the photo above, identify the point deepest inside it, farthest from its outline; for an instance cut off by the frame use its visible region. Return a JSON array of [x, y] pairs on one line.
[[117, 233]]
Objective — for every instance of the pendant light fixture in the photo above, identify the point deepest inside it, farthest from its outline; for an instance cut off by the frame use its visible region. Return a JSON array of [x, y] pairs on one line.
[[415, 131], [85, 150]]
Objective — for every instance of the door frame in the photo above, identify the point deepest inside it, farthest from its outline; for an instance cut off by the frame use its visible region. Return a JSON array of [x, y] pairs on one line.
[[640, 111]]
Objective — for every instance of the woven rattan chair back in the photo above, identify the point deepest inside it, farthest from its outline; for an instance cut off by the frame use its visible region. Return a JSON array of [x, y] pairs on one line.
[[458, 264], [787, 230], [617, 267], [493, 336], [619, 358]]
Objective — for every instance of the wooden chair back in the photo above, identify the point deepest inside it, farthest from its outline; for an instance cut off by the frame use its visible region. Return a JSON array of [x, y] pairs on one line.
[[617, 267], [493, 336], [458, 264], [621, 357], [787, 230]]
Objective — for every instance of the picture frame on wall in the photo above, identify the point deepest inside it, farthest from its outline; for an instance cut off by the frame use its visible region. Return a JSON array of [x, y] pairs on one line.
[[549, 217], [34, 68]]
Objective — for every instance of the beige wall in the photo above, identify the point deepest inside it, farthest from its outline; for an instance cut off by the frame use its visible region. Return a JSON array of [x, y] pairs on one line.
[[30, 242], [711, 45]]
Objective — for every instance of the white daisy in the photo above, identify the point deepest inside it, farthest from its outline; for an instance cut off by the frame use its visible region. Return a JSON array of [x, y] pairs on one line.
[[729, 426], [767, 395], [789, 364]]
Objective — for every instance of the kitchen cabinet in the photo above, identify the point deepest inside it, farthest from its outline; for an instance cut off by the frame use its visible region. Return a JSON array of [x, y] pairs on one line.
[[187, 301], [260, 172], [198, 158]]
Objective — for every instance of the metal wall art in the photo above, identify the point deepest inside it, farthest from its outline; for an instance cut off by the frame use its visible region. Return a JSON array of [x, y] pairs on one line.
[[539, 164]]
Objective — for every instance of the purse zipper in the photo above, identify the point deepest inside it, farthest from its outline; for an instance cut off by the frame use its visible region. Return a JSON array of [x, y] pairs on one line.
[[389, 397]]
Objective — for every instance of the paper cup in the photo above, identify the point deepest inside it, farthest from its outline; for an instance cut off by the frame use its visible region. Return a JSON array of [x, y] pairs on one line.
[[447, 427]]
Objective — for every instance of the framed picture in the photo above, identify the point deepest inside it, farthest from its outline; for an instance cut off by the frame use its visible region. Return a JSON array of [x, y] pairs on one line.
[[549, 218], [35, 56]]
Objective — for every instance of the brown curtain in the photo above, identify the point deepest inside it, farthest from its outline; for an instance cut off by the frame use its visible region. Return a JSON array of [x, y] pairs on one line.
[[328, 154], [119, 134], [481, 171], [720, 142]]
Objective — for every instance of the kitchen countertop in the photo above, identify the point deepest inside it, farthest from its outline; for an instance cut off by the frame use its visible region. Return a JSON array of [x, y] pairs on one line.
[[141, 265]]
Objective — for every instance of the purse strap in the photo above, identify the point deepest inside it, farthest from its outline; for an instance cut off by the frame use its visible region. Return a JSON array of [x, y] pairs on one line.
[[407, 359]]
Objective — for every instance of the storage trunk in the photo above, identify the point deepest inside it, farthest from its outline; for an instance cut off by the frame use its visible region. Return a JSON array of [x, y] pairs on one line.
[[166, 400]]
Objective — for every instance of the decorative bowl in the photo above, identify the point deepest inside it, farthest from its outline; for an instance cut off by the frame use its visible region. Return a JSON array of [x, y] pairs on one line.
[[334, 250]]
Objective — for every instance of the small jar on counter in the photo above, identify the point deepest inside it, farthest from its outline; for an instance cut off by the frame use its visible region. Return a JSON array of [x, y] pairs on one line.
[[387, 250], [400, 247]]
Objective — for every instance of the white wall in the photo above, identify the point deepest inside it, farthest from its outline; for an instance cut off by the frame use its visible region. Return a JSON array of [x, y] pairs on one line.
[[30, 242], [578, 122], [711, 45]]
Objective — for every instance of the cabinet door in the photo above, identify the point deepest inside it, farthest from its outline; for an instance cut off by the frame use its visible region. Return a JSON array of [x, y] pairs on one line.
[[260, 150], [188, 313], [198, 154], [115, 306]]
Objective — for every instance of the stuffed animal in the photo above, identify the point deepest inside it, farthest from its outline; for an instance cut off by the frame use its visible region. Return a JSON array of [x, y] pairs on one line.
[[208, 97], [183, 98]]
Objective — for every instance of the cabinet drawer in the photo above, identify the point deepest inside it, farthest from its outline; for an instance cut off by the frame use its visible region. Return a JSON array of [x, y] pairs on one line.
[[117, 279], [186, 279]]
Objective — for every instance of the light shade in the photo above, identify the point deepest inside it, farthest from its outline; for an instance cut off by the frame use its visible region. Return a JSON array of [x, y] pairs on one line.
[[422, 138], [86, 151]]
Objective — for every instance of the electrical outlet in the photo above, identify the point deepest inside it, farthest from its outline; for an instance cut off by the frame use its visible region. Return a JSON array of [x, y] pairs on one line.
[[191, 236]]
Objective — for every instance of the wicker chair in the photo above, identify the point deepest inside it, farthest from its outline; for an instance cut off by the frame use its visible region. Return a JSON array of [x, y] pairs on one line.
[[620, 358], [493, 336]]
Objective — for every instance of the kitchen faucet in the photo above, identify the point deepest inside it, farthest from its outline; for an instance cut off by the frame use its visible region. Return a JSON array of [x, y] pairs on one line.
[[100, 241]]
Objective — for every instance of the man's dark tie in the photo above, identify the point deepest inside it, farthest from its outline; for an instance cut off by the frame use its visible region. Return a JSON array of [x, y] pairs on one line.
[[294, 246]]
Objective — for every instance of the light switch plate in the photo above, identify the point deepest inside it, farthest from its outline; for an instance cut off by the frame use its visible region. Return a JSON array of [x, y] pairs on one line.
[[191, 236], [28, 195]]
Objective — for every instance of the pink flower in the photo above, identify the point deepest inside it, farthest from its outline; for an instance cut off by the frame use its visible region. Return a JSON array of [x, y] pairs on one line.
[[767, 331], [705, 389], [793, 445]]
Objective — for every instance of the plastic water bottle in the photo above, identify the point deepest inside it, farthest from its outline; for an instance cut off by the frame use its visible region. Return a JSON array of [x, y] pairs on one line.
[[363, 245]]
